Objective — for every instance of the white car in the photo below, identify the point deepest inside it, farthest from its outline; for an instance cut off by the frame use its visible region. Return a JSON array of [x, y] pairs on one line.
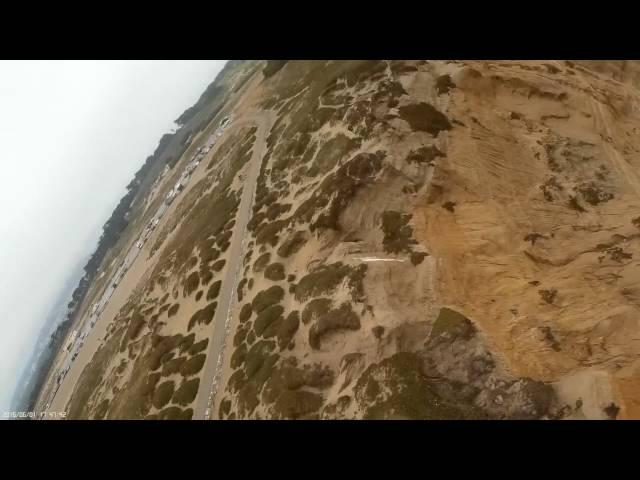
[[206, 413]]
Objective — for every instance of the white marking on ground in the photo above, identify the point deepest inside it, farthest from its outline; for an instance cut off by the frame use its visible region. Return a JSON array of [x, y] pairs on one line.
[[377, 259]]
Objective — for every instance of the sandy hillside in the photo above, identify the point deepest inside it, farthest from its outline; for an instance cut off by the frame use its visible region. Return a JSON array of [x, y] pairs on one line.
[[427, 240], [509, 193]]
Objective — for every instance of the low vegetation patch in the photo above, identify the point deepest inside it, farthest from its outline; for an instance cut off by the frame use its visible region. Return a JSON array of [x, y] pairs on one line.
[[452, 324], [214, 290], [337, 190], [187, 392], [191, 284], [266, 317], [409, 394], [245, 312], [204, 315], [424, 155], [199, 346], [288, 329], [173, 310], [266, 298], [398, 234], [193, 365], [425, 118], [292, 244], [274, 272], [261, 262], [327, 278], [341, 318], [173, 366], [163, 394], [315, 309]]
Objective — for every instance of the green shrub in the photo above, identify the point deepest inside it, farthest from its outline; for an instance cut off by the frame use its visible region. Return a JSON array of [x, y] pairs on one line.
[[214, 290], [175, 413], [191, 284], [258, 357], [334, 150], [101, 410], [378, 331], [135, 327], [417, 257], [167, 356], [288, 329], [266, 298], [315, 308], [219, 265], [164, 345], [453, 324], [193, 365], [224, 238], [240, 335], [187, 392], [272, 67], [199, 347], [245, 312], [206, 276], [327, 278], [261, 262], [424, 155], [173, 366], [170, 413], [173, 309], [266, 317], [341, 318], [186, 342], [209, 255], [225, 408], [268, 233], [423, 117], [237, 359], [192, 262], [398, 235], [444, 84], [163, 394], [276, 210], [237, 380], [240, 289], [408, 393], [274, 272], [294, 404], [204, 315]]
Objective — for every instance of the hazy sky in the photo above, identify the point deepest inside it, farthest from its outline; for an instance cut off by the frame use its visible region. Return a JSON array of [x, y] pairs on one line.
[[72, 134]]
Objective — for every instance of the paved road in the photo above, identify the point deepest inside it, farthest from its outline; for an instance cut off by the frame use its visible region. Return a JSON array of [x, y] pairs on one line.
[[220, 324], [59, 395], [217, 335]]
